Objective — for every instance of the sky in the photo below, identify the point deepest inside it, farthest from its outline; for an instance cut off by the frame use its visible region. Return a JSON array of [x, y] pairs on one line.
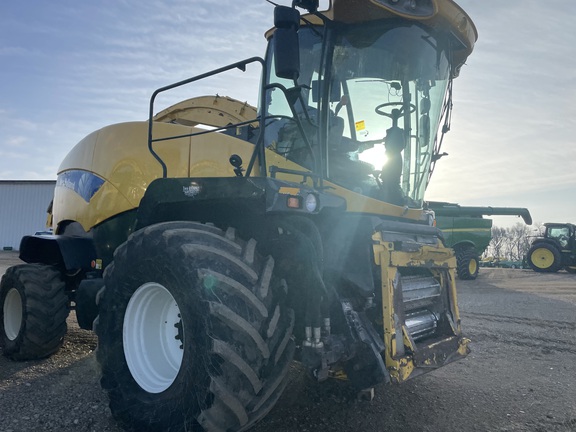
[[68, 68]]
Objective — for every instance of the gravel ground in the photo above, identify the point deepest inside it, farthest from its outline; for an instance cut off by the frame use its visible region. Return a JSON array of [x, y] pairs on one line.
[[519, 377]]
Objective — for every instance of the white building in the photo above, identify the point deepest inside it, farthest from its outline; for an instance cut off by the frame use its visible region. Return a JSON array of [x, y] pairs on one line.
[[23, 206]]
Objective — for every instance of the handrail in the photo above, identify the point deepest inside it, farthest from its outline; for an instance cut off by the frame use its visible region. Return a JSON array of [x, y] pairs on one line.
[[238, 65]]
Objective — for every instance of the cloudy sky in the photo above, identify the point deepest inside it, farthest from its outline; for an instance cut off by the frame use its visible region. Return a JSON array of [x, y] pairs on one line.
[[69, 67]]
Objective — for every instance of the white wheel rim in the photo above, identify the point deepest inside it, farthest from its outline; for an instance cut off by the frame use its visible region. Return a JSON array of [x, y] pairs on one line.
[[12, 314], [151, 349]]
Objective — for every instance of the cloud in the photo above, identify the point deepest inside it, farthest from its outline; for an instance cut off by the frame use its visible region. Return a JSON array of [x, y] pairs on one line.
[[13, 155], [17, 141], [13, 51]]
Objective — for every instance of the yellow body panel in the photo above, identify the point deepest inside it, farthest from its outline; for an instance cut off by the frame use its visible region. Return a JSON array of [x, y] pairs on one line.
[[357, 203], [119, 155], [210, 155], [69, 206]]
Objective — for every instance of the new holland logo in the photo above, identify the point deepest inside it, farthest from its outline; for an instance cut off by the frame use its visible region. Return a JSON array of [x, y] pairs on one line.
[[192, 190]]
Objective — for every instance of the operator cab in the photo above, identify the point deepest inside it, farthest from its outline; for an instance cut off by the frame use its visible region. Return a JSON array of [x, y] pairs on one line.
[[563, 233], [363, 109]]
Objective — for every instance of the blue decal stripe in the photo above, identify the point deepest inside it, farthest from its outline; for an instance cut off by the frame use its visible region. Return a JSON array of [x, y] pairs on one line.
[[84, 183]]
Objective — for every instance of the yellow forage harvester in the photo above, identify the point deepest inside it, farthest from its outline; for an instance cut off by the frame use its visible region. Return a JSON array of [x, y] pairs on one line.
[[214, 243]]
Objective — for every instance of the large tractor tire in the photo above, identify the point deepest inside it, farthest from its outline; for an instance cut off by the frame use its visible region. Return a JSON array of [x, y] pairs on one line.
[[467, 264], [193, 331], [544, 258], [34, 308]]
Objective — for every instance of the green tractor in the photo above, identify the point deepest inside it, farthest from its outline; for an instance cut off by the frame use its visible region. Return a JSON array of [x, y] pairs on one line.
[[468, 233], [207, 259], [555, 250]]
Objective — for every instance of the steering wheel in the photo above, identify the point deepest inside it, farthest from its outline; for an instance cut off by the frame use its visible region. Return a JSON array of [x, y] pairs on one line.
[[393, 115]]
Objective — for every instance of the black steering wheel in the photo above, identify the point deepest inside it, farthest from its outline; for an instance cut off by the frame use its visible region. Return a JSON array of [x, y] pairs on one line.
[[395, 113]]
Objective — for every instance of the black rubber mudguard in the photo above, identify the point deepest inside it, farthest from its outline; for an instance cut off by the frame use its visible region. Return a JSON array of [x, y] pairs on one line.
[[70, 253]]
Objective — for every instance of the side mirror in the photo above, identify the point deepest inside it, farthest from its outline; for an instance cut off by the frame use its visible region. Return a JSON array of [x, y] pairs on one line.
[[286, 45]]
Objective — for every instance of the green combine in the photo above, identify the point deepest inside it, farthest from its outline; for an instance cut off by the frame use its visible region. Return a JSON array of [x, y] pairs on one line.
[[468, 232]]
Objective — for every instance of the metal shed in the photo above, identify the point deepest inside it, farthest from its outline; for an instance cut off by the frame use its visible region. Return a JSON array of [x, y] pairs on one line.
[[23, 205]]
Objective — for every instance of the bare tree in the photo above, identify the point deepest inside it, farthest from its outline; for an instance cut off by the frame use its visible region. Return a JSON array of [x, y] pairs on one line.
[[519, 241], [497, 244], [537, 229], [511, 243]]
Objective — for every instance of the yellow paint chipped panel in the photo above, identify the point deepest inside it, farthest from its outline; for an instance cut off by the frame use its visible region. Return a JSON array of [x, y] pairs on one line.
[[289, 191], [358, 203]]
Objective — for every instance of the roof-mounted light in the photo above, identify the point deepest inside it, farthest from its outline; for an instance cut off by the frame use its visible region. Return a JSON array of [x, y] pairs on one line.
[[310, 5], [409, 8]]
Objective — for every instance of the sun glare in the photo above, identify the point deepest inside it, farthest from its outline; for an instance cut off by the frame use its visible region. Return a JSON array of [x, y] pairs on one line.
[[375, 156]]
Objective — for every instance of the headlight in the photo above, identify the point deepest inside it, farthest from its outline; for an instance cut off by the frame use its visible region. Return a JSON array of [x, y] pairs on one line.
[[311, 203]]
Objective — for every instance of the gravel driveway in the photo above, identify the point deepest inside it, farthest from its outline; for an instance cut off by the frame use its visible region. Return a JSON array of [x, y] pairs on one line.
[[521, 375]]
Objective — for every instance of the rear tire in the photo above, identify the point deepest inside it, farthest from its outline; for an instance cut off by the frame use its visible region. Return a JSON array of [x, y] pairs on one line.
[[467, 264], [193, 331], [544, 258], [34, 308]]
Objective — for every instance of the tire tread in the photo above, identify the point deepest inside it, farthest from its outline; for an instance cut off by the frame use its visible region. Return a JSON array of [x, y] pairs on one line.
[[245, 323], [45, 311]]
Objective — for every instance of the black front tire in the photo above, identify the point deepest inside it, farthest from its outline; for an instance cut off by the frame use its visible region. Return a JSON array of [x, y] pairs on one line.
[[544, 258], [467, 264], [234, 329], [34, 308]]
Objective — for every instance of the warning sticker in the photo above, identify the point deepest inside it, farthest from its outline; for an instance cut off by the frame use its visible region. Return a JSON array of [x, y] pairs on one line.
[[360, 125]]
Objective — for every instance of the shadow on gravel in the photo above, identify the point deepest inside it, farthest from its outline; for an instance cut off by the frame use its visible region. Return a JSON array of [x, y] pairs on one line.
[[50, 397], [9, 367]]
